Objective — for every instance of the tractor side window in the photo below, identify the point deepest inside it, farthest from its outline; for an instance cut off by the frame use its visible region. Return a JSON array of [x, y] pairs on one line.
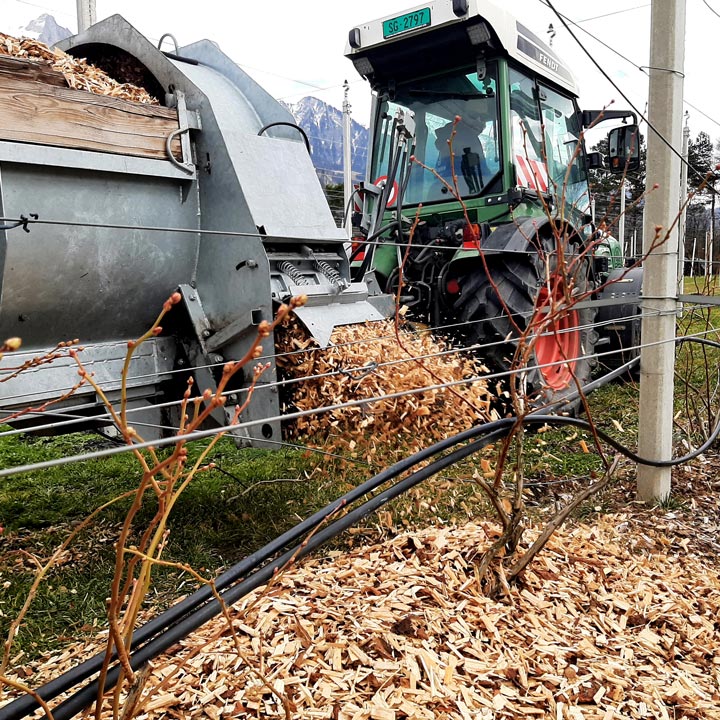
[[528, 153], [563, 141]]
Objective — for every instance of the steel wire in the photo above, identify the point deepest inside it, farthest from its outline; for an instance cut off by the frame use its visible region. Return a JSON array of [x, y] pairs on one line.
[[269, 238], [486, 377], [77, 419], [368, 341]]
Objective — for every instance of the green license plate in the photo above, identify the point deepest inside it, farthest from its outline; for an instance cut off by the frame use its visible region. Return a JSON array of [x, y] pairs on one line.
[[409, 21]]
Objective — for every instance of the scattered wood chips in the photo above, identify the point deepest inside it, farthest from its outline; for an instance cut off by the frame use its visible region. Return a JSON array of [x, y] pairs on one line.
[[366, 361], [78, 73], [613, 620]]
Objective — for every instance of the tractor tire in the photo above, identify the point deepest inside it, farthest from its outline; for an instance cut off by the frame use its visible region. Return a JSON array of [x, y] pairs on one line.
[[559, 359]]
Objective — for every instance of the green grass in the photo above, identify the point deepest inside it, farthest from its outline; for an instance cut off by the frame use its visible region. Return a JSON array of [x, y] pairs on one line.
[[222, 516]]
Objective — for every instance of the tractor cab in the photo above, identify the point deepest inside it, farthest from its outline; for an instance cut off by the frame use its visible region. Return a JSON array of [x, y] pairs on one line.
[[483, 89]]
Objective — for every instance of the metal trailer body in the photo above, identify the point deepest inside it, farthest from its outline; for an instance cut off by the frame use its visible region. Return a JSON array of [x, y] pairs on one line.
[[238, 224]]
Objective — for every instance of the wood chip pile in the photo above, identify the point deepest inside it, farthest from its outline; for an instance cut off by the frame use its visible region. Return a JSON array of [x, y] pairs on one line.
[[366, 361], [613, 620], [78, 73]]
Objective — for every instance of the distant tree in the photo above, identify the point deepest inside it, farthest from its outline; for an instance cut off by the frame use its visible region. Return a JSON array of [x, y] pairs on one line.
[[701, 154], [702, 180], [697, 225]]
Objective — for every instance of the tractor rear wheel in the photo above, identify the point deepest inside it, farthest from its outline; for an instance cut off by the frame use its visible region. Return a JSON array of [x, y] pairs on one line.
[[505, 313]]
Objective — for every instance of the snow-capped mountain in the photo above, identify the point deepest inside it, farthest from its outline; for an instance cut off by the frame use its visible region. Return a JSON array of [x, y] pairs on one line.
[[45, 29], [323, 125]]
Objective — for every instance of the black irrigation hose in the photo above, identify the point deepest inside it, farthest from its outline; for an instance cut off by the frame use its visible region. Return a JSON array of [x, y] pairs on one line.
[[83, 697], [177, 622], [26, 704]]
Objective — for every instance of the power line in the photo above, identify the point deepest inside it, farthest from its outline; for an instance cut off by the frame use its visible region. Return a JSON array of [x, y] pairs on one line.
[[624, 57], [704, 114], [615, 12], [44, 7], [710, 8], [640, 114]]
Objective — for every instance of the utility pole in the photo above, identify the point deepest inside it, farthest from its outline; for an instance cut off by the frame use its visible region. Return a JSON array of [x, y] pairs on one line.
[[659, 293], [86, 15], [347, 163]]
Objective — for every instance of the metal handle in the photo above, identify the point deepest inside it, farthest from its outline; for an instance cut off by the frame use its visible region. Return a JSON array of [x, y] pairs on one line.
[[188, 168]]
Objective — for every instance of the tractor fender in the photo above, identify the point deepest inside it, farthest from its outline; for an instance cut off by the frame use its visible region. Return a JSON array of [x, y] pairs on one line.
[[518, 236], [620, 323]]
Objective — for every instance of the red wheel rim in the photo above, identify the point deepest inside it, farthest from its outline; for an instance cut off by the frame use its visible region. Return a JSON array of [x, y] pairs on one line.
[[559, 344]]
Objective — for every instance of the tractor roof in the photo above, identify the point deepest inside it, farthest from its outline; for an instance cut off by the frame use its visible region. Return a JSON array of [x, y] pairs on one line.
[[449, 33]]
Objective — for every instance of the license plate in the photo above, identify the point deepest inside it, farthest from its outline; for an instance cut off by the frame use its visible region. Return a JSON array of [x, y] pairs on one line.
[[409, 21]]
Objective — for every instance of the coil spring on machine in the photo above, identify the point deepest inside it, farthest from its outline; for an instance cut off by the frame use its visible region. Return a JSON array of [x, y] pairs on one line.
[[292, 272], [329, 272]]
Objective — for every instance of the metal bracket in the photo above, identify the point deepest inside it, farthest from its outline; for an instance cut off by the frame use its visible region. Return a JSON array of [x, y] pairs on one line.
[[197, 349], [187, 123], [198, 319], [233, 331], [22, 222]]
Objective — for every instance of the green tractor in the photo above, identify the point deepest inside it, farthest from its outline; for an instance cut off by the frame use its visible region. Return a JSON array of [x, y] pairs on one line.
[[478, 203]]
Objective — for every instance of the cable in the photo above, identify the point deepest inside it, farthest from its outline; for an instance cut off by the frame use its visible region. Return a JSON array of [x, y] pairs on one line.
[[615, 12], [20, 707], [53, 12], [242, 569], [274, 238], [710, 8], [704, 114], [176, 626], [624, 57], [289, 381], [175, 623], [641, 115]]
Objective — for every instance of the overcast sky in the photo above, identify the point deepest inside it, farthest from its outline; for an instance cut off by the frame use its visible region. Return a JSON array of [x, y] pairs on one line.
[[295, 48]]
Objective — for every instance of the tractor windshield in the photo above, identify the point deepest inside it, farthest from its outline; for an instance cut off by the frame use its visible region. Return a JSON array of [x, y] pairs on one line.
[[475, 146], [546, 142]]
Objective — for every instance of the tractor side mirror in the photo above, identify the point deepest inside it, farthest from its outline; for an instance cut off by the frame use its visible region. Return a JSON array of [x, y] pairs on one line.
[[624, 148]]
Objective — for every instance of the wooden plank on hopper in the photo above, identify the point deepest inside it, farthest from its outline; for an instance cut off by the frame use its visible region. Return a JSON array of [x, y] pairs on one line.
[[32, 112], [36, 71]]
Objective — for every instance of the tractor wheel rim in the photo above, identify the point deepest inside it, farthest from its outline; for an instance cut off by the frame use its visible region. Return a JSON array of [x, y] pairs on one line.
[[558, 347]]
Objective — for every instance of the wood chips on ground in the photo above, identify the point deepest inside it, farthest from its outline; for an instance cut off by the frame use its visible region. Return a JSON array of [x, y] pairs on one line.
[[367, 361], [613, 620], [78, 73]]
